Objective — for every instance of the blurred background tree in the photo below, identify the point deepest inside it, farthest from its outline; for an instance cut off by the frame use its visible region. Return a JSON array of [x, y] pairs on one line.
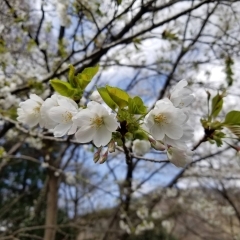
[[51, 188]]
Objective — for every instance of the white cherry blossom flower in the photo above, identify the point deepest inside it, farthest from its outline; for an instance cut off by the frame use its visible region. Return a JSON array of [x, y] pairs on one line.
[[165, 120], [181, 96], [179, 157], [141, 147], [95, 96], [96, 124], [46, 106], [181, 143], [29, 111], [61, 114]]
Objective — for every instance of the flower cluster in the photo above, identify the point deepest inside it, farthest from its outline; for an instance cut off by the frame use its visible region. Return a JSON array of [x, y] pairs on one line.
[[167, 124], [62, 116], [165, 127]]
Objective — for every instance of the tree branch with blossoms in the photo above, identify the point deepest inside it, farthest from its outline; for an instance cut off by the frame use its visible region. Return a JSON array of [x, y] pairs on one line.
[[112, 118]]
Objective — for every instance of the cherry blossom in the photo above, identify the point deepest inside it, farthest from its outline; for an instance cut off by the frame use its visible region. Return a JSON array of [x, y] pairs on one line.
[[179, 157], [165, 120], [29, 111], [96, 124], [141, 147], [62, 115], [95, 96], [187, 136], [181, 96]]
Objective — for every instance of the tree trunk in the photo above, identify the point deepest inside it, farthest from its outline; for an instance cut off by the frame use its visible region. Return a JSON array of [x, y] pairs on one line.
[[52, 208]]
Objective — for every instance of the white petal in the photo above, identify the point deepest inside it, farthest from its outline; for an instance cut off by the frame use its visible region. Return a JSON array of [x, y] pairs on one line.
[[186, 101], [61, 129], [41, 122], [102, 137], [29, 105], [67, 103], [95, 96], [181, 84], [47, 105], [73, 129], [157, 132], [60, 115], [31, 120], [85, 134], [110, 123], [83, 117], [36, 98], [188, 133], [163, 104], [172, 130], [149, 119], [175, 143], [179, 116], [141, 147], [97, 108], [176, 101], [179, 157]]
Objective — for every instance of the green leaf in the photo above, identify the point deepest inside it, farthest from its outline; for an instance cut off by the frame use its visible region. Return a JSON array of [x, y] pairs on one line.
[[71, 75], [218, 142], [136, 106], [217, 104], [119, 96], [232, 118], [63, 88], [106, 98], [139, 134], [235, 129], [85, 77], [169, 35]]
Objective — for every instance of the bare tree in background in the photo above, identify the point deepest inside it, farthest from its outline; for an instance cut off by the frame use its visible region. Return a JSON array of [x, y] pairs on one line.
[[50, 187]]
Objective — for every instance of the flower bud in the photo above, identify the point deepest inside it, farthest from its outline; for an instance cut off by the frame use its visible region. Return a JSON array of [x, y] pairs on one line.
[[111, 146], [97, 155], [157, 145], [141, 147], [179, 157], [103, 158]]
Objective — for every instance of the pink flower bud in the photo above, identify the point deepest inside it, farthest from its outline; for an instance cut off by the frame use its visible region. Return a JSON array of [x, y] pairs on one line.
[[103, 158], [157, 145], [111, 146], [97, 155]]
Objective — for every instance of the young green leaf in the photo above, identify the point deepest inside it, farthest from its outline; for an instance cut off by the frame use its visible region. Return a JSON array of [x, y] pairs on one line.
[[71, 75], [119, 96], [106, 98], [85, 77], [139, 134], [63, 88], [136, 106], [217, 104], [232, 118]]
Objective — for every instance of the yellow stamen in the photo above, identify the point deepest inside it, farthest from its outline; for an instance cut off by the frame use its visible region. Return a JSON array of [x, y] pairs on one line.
[[67, 116], [36, 110], [97, 122], [160, 118]]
